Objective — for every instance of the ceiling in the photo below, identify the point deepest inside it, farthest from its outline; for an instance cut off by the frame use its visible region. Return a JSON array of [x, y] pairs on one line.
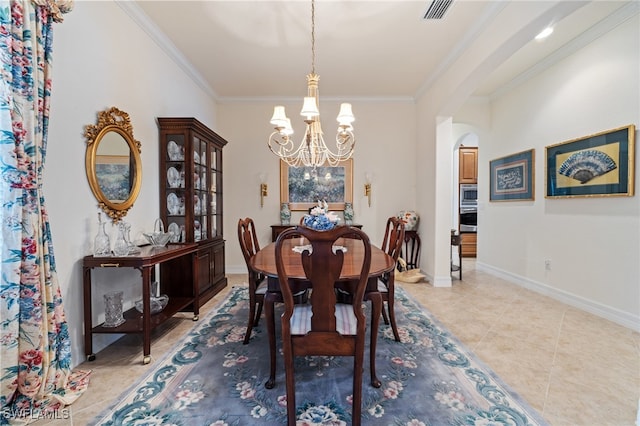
[[364, 49]]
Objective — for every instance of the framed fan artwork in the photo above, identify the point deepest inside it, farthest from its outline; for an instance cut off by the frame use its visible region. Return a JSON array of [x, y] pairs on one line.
[[598, 165]]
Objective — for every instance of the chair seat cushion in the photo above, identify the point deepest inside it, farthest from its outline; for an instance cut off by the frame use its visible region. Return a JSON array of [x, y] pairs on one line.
[[262, 287], [382, 287], [346, 322]]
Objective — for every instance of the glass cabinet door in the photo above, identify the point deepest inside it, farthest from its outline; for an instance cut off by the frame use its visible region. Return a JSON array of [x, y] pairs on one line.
[[175, 187]]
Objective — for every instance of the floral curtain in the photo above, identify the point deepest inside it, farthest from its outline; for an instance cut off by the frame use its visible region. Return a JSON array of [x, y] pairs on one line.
[[35, 357]]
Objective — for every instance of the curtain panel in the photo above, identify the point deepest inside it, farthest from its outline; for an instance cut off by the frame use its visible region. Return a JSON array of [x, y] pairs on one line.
[[35, 356]]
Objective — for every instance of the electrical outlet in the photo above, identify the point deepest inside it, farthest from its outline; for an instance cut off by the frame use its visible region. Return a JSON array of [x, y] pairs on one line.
[[547, 264]]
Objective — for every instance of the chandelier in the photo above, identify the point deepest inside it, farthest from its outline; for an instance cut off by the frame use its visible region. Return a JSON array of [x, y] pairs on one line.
[[312, 151]]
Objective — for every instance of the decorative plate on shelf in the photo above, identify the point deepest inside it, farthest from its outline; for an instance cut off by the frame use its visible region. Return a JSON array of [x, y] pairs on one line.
[[197, 232], [173, 177], [174, 151], [175, 229], [196, 157], [173, 203]]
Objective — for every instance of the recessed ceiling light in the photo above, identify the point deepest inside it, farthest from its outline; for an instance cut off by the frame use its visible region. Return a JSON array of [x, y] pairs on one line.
[[544, 33]]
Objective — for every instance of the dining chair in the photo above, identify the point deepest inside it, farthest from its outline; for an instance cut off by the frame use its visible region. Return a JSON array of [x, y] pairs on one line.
[[323, 326], [392, 245], [257, 282]]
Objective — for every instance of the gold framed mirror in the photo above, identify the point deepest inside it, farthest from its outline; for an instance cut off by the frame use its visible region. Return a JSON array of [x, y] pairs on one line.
[[113, 163]]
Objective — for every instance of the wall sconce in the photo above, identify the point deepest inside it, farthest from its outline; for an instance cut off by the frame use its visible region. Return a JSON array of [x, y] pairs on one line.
[[367, 187], [263, 193], [263, 188]]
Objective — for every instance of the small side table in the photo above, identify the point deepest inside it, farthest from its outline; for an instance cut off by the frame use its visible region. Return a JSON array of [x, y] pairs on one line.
[[456, 240], [411, 250]]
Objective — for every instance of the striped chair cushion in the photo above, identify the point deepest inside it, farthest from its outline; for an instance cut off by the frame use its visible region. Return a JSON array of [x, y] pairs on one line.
[[262, 287], [346, 322]]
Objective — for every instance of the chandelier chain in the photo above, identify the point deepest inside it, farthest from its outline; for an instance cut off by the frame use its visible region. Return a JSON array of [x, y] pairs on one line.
[[313, 37]]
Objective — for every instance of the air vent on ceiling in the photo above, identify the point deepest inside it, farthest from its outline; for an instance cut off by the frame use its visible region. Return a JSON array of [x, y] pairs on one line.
[[437, 9]]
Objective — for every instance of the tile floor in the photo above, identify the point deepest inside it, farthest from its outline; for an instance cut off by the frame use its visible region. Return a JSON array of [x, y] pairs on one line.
[[571, 366]]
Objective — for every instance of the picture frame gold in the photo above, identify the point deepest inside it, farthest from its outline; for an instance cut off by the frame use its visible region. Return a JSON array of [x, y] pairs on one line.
[[303, 187], [598, 165]]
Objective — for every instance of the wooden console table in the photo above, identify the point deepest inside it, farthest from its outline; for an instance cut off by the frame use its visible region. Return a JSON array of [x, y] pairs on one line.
[[136, 322]]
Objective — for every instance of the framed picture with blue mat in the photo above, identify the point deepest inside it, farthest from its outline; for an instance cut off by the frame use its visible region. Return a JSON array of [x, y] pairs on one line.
[[598, 165], [512, 177]]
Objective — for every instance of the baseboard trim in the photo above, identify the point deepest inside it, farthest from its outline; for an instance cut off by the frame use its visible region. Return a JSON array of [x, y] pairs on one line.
[[607, 312]]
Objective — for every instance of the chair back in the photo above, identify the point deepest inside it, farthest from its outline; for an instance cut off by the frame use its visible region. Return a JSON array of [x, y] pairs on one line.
[[248, 240], [393, 237], [322, 264]]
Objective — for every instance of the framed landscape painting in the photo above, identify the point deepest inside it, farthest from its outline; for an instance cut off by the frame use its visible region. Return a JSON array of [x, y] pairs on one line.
[[302, 187], [599, 165], [512, 177]]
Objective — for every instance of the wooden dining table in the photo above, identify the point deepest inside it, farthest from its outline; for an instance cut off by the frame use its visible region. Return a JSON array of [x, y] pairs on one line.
[[264, 262]]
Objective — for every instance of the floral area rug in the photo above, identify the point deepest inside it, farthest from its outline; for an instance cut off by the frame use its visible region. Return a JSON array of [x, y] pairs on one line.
[[211, 378]]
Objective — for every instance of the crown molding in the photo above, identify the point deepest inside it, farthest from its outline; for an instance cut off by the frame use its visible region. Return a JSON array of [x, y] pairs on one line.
[[142, 20]]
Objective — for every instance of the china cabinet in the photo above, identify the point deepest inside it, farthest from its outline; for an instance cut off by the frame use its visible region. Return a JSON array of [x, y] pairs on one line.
[[191, 201]]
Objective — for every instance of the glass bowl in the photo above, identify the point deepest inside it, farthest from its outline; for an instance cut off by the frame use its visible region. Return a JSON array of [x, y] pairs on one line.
[[158, 239], [157, 304]]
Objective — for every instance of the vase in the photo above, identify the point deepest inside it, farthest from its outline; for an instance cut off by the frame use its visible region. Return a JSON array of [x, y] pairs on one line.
[[102, 243], [410, 219], [121, 247], [285, 214], [348, 214], [113, 309]]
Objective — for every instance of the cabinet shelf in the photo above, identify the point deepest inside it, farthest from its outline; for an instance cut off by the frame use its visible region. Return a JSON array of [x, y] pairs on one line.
[[134, 321]]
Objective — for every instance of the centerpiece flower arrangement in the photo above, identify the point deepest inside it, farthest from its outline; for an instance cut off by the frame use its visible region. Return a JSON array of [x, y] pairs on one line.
[[320, 218]]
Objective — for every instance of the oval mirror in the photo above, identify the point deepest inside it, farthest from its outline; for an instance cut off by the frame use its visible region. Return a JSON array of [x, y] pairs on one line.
[[113, 163]]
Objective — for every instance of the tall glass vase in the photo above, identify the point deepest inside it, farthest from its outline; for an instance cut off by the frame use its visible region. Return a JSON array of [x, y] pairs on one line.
[[113, 309]]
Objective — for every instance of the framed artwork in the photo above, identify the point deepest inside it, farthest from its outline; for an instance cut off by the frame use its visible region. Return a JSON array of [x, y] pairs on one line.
[[599, 165], [302, 187], [512, 177], [114, 176]]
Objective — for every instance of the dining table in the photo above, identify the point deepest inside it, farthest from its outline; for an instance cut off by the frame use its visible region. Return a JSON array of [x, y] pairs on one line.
[[264, 262]]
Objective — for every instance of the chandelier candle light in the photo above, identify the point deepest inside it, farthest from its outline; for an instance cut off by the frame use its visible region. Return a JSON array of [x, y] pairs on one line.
[[312, 151]]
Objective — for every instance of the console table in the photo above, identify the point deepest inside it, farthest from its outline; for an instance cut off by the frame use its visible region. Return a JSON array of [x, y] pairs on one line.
[[136, 322]]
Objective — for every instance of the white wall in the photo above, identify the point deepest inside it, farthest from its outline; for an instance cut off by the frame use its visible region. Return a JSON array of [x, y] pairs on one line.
[[593, 243], [102, 59]]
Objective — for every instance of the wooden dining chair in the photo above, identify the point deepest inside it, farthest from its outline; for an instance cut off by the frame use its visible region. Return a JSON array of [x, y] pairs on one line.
[[257, 282], [323, 327], [392, 245]]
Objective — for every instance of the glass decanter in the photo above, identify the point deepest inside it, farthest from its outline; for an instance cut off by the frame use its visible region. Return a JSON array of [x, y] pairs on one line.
[[121, 247], [102, 243]]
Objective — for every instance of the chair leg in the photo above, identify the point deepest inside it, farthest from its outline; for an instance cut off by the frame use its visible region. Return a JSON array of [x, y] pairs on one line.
[[271, 331], [376, 307], [290, 384], [392, 317], [357, 388], [385, 317], [258, 313], [252, 313]]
